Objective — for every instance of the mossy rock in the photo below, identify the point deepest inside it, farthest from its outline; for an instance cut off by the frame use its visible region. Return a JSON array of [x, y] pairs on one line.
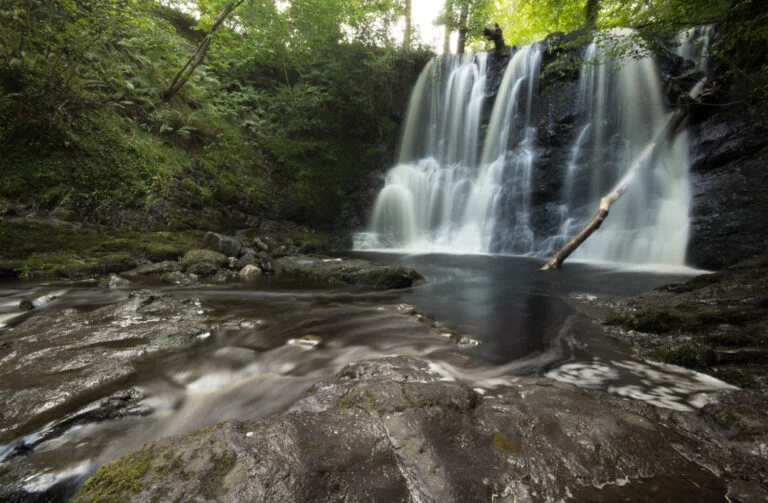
[[203, 269], [684, 318], [74, 266], [113, 263], [195, 257], [118, 481], [683, 355], [35, 250], [160, 252], [388, 277]]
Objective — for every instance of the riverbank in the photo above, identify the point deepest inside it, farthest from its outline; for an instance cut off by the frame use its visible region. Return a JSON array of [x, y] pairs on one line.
[[350, 392], [54, 249]]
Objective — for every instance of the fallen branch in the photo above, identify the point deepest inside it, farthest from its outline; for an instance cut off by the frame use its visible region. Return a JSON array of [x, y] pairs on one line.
[[669, 130]]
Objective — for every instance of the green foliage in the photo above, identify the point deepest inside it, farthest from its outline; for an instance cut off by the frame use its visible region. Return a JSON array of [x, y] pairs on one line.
[[292, 102], [527, 21], [467, 15]]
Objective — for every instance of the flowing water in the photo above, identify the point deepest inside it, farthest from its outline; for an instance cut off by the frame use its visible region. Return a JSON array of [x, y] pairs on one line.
[[444, 194], [247, 364], [624, 110]]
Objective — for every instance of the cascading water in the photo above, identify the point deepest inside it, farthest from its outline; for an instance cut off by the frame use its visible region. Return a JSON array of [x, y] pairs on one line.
[[447, 194], [693, 45], [425, 191], [442, 194], [623, 111]]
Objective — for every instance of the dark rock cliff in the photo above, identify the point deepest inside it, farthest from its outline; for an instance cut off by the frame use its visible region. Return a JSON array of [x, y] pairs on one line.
[[729, 208]]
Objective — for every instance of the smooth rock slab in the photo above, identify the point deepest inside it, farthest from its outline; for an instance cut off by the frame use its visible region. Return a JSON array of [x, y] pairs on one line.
[[69, 355], [394, 430]]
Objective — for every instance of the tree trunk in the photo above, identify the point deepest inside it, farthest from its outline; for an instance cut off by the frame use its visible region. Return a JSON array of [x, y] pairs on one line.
[[496, 35], [590, 14], [408, 35], [606, 202], [198, 56], [462, 41]]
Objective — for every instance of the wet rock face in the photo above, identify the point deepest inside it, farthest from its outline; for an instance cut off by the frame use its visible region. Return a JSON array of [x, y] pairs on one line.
[[728, 183], [55, 359], [715, 323], [393, 430]]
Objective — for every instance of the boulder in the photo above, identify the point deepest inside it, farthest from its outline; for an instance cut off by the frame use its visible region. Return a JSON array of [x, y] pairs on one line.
[[261, 245], [230, 247], [247, 259], [114, 281], [266, 264], [204, 262], [250, 271]]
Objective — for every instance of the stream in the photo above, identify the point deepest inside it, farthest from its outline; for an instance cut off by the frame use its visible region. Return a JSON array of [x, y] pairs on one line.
[[258, 347]]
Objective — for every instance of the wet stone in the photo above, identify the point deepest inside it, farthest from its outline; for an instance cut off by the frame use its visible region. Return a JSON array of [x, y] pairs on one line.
[[391, 430]]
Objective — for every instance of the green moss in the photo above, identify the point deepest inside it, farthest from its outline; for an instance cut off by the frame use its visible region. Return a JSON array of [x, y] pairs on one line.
[[212, 481], [505, 445], [349, 371], [204, 257], [357, 399], [684, 356], [118, 481], [175, 468], [159, 252], [45, 250], [682, 318]]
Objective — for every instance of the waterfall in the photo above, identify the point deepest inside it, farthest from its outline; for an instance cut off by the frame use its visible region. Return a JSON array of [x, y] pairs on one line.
[[443, 192], [462, 187], [693, 44], [623, 111]]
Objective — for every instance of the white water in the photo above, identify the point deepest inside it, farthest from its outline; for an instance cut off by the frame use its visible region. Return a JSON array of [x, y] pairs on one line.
[[623, 111], [693, 44], [446, 195], [443, 193]]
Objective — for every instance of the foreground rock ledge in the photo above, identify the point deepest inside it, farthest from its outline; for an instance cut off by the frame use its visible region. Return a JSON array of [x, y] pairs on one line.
[[391, 430]]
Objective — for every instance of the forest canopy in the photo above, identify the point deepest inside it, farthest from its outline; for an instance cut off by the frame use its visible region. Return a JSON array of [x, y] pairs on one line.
[[276, 105]]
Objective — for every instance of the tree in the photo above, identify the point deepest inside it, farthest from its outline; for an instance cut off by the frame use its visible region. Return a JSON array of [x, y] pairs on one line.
[[198, 56], [526, 21], [408, 34], [468, 18], [591, 11]]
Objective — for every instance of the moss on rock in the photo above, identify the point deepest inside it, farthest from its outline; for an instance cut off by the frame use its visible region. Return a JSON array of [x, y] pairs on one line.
[[117, 481], [45, 250], [505, 445], [203, 258], [683, 355]]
